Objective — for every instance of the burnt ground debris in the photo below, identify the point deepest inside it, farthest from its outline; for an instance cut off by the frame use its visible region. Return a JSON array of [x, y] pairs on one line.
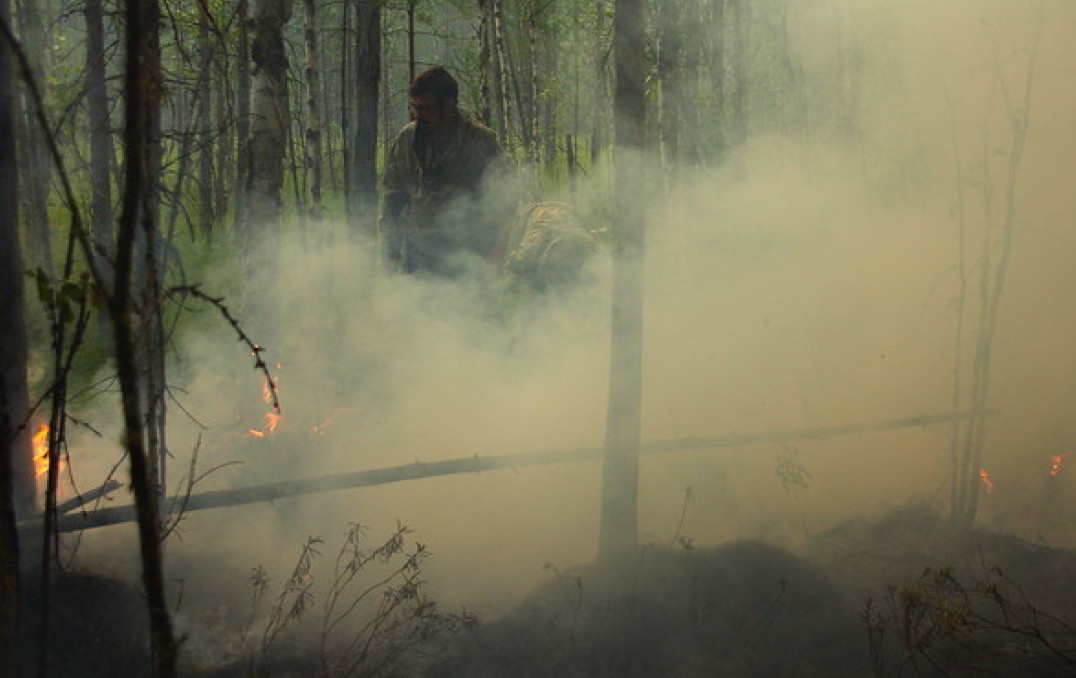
[[943, 602]]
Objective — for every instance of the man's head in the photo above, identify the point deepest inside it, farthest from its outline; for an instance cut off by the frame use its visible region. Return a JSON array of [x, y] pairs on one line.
[[432, 99]]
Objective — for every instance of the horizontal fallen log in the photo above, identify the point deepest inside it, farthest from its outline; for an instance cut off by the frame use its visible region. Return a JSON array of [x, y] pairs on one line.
[[475, 464]]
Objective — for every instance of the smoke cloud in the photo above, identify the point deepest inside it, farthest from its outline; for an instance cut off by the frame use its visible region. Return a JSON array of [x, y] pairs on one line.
[[803, 282]]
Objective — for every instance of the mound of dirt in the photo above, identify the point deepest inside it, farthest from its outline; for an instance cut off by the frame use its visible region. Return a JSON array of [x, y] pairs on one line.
[[939, 600], [743, 609]]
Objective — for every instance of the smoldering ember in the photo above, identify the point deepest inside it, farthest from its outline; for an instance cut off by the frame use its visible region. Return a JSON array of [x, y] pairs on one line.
[[515, 338]]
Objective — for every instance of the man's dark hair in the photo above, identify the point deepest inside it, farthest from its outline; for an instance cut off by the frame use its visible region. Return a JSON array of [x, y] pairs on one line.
[[437, 81]]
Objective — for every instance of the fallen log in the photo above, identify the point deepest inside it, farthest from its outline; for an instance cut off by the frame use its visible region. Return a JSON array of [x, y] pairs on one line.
[[472, 464], [85, 498]]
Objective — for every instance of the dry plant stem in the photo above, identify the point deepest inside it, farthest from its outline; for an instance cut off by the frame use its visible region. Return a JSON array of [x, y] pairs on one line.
[[255, 348]]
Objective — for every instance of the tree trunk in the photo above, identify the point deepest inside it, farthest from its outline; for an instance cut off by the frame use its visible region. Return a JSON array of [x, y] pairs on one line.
[[16, 473], [206, 211], [101, 214], [597, 135], [242, 119], [36, 170], [718, 63], [368, 92], [670, 59], [411, 67], [269, 117], [143, 88], [501, 77], [620, 474], [739, 63], [485, 63], [313, 119], [346, 97]]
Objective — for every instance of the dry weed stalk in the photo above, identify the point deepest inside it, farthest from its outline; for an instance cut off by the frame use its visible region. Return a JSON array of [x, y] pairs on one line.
[[375, 619], [949, 625]]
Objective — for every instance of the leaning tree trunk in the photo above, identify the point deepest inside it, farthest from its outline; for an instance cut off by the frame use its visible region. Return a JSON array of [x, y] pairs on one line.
[[143, 88], [269, 117], [620, 474], [368, 92], [16, 473]]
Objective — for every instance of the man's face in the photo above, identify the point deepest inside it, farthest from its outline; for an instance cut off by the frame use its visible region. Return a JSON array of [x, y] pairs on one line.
[[430, 114]]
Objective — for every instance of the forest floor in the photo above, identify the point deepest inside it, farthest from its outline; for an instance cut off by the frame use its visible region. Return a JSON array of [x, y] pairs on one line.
[[906, 594]]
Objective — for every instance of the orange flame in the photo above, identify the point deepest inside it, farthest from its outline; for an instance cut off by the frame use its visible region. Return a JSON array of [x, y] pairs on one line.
[[986, 480], [40, 444], [270, 388], [1056, 462], [272, 420]]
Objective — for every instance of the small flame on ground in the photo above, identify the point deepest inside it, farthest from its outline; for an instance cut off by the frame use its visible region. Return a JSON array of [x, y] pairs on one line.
[[1056, 463], [40, 444], [986, 480]]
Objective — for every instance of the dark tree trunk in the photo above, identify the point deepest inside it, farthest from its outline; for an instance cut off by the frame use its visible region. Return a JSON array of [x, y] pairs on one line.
[[35, 168], [14, 393], [485, 62], [312, 133], [242, 117], [368, 92], [143, 89], [346, 99], [620, 477], [411, 68], [206, 211], [101, 214]]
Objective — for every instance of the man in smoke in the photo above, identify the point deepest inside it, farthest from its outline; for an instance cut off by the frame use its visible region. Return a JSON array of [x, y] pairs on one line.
[[442, 209]]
